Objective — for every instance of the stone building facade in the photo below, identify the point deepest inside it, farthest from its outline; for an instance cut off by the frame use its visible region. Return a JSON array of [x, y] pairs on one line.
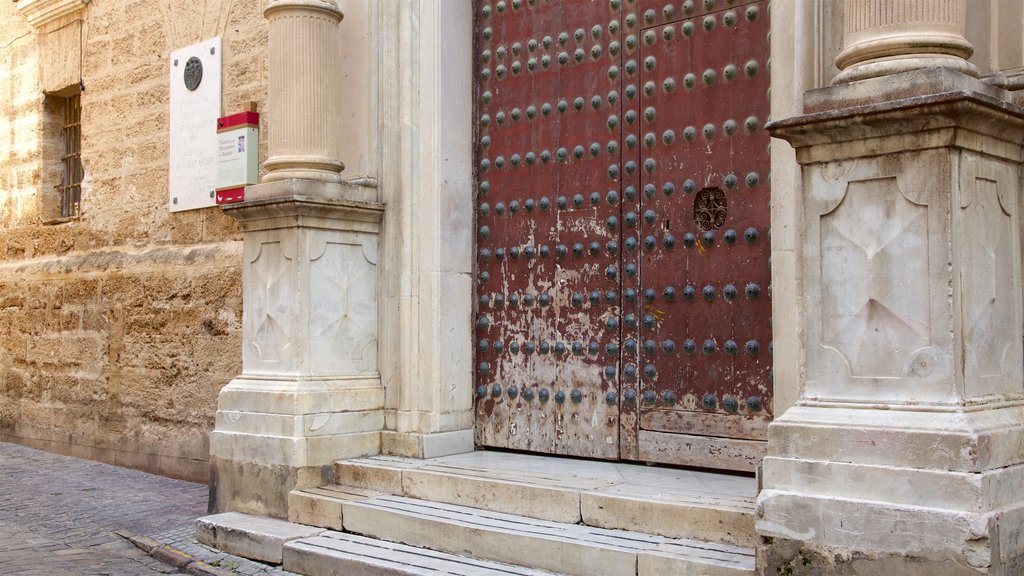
[[120, 322], [354, 259]]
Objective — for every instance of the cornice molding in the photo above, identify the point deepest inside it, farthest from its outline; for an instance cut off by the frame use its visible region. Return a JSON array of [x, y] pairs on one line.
[[41, 12]]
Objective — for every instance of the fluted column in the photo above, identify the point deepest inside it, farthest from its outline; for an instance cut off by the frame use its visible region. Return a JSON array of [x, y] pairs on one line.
[[302, 103], [884, 37]]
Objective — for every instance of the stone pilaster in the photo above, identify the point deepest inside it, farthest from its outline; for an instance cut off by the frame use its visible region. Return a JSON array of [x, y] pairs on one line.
[[427, 177], [304, 133], [905, 452], [310, 389], [884, 37]]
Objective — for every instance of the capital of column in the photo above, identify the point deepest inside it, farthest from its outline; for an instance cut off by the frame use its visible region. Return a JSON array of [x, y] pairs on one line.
[[302, 101], [883, 37]]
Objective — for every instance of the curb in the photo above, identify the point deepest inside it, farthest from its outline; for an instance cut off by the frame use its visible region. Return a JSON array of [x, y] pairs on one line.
[[172, 556]]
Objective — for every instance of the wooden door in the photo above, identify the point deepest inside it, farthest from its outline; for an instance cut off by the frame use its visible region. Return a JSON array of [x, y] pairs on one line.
[[622, 174], [703, 336]]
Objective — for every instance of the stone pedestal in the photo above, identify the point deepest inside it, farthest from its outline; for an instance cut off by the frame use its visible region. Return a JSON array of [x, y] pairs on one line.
[[905, 453], [310, 391]]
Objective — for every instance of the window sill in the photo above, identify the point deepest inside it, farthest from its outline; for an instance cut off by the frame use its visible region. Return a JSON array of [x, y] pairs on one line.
[[59, 221]]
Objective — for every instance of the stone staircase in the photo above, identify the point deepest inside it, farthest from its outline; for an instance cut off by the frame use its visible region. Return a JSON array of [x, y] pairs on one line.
[[504, 514]]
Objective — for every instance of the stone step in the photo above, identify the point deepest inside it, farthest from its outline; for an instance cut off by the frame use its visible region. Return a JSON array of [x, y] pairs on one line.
[[663, 501], [336, 554], [321, 506], [254, 537], [318, 552], [559, 547]]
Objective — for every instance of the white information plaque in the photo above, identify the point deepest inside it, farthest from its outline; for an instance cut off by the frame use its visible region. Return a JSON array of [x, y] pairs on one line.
[[195, 106]]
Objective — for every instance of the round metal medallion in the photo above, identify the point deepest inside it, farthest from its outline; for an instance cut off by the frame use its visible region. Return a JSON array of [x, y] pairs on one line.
[[193, 73]]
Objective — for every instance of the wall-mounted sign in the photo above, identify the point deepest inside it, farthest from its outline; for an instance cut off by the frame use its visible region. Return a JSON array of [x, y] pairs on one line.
[[238, 140], [195, 74]]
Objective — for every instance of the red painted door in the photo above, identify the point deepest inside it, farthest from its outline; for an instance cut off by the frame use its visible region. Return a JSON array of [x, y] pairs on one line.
[[703, 334], [622, 218]]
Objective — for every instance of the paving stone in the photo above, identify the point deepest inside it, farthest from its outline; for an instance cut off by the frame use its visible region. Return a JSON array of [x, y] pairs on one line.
[[204, 569], [62, 516], [171, 556]]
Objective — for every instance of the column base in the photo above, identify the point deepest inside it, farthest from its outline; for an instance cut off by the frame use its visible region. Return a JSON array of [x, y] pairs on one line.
[[282, 185], [866, 491], [888, 66], [307, 174], [418, 445], [273, 436], [795, 558]]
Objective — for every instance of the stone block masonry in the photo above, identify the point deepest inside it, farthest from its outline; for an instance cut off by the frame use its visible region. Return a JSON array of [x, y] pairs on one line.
[[119, 327], [118, 356]]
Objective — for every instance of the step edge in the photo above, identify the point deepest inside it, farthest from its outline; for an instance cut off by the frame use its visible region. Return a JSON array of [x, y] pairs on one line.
[[653, 539], [581, 510], [740, 503], [315, 543], [375, 526]]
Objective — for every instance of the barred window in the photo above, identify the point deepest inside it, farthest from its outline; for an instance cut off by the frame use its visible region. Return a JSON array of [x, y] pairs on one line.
[[71, 180]]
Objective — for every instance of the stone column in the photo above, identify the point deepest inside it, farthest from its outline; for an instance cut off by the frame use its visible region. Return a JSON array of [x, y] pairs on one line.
[[890, 36], [304, 132], [905, 452], [310, 391]]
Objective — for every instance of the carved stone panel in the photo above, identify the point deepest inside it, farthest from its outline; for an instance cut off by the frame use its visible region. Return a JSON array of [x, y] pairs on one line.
[[990, 308], [270, 269], [874, 272], [877, 244], [311, 293], [343, 303]]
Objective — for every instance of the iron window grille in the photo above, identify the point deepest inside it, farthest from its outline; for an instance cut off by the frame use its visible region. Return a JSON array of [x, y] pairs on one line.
[[71, 185]]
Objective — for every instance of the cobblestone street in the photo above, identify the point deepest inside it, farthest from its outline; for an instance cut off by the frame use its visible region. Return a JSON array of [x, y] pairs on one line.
[[58, 516]]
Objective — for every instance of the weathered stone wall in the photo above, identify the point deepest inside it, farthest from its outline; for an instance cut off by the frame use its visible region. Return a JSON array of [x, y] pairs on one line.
[[118, 328], [20, 127]]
